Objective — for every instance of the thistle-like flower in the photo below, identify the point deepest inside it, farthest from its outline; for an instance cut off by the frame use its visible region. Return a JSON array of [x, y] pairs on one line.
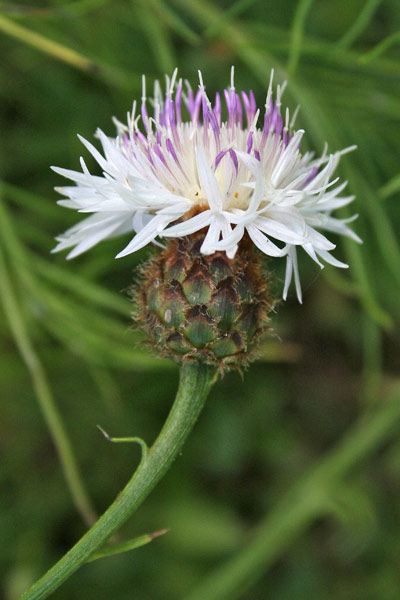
[[167, 177]]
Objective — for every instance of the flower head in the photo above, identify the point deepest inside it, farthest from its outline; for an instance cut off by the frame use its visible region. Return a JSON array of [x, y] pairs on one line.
[[165, 176]]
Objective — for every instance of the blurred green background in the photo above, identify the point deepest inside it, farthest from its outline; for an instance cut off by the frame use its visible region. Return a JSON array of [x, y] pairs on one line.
[[289, 486]]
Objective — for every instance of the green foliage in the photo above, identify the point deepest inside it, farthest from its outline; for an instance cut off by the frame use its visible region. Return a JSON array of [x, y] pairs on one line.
[[67, 67]]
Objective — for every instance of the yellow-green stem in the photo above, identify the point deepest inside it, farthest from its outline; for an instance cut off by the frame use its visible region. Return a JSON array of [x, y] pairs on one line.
[[196, 380], [38, 41], [110, 74]]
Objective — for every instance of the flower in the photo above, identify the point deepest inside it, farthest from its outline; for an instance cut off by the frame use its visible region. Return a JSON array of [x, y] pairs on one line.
[[166, 177]]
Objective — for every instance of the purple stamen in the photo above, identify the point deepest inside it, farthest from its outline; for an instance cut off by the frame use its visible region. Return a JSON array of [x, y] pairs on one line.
[[230, 103], [234, 175], [205, 120], [161, 117], [246, 103], [160, 155], [214, 124], [170, 118], [149, 156], [178, 103], [205, 110], [142, 138], [145, 116], [239, 110], [196, 107], [271, 105], [158, 151], [171, 150], [265, 131], [216, 130], [310, 176], [274, 117], [219, 157], [217, 108], [279, 124], [249, 142], [169, 111], [234, 160]]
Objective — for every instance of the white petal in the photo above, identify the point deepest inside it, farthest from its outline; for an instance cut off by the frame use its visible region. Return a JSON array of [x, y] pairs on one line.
[[210, 242], [75, 234], [251, 163], [279, 231], [319, 241], [232, 239], [138, 221], [287, 159], [196, 223], [292, 266], [290, 218], [110, 204], [226, 231], [288, 274], [258, 193], [73, 175], [177, 209], [105, 165], [338, 226], [311, 252], [208, 181], [263, 243], [146, 235], [230, 252], [322, 178], [296, 275], [94, 238], [334, 203], [327, 257]]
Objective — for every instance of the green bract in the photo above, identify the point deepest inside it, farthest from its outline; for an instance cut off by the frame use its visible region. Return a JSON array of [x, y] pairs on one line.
[[209, 308]]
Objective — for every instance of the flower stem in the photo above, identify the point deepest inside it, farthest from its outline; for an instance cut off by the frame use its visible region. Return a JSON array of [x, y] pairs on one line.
[[196, 380]]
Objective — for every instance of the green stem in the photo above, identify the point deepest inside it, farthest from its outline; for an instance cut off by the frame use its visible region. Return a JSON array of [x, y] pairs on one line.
[[363, 19], [196, 380], [38, 41], [302, 10], [109, 74], [44, 396]]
